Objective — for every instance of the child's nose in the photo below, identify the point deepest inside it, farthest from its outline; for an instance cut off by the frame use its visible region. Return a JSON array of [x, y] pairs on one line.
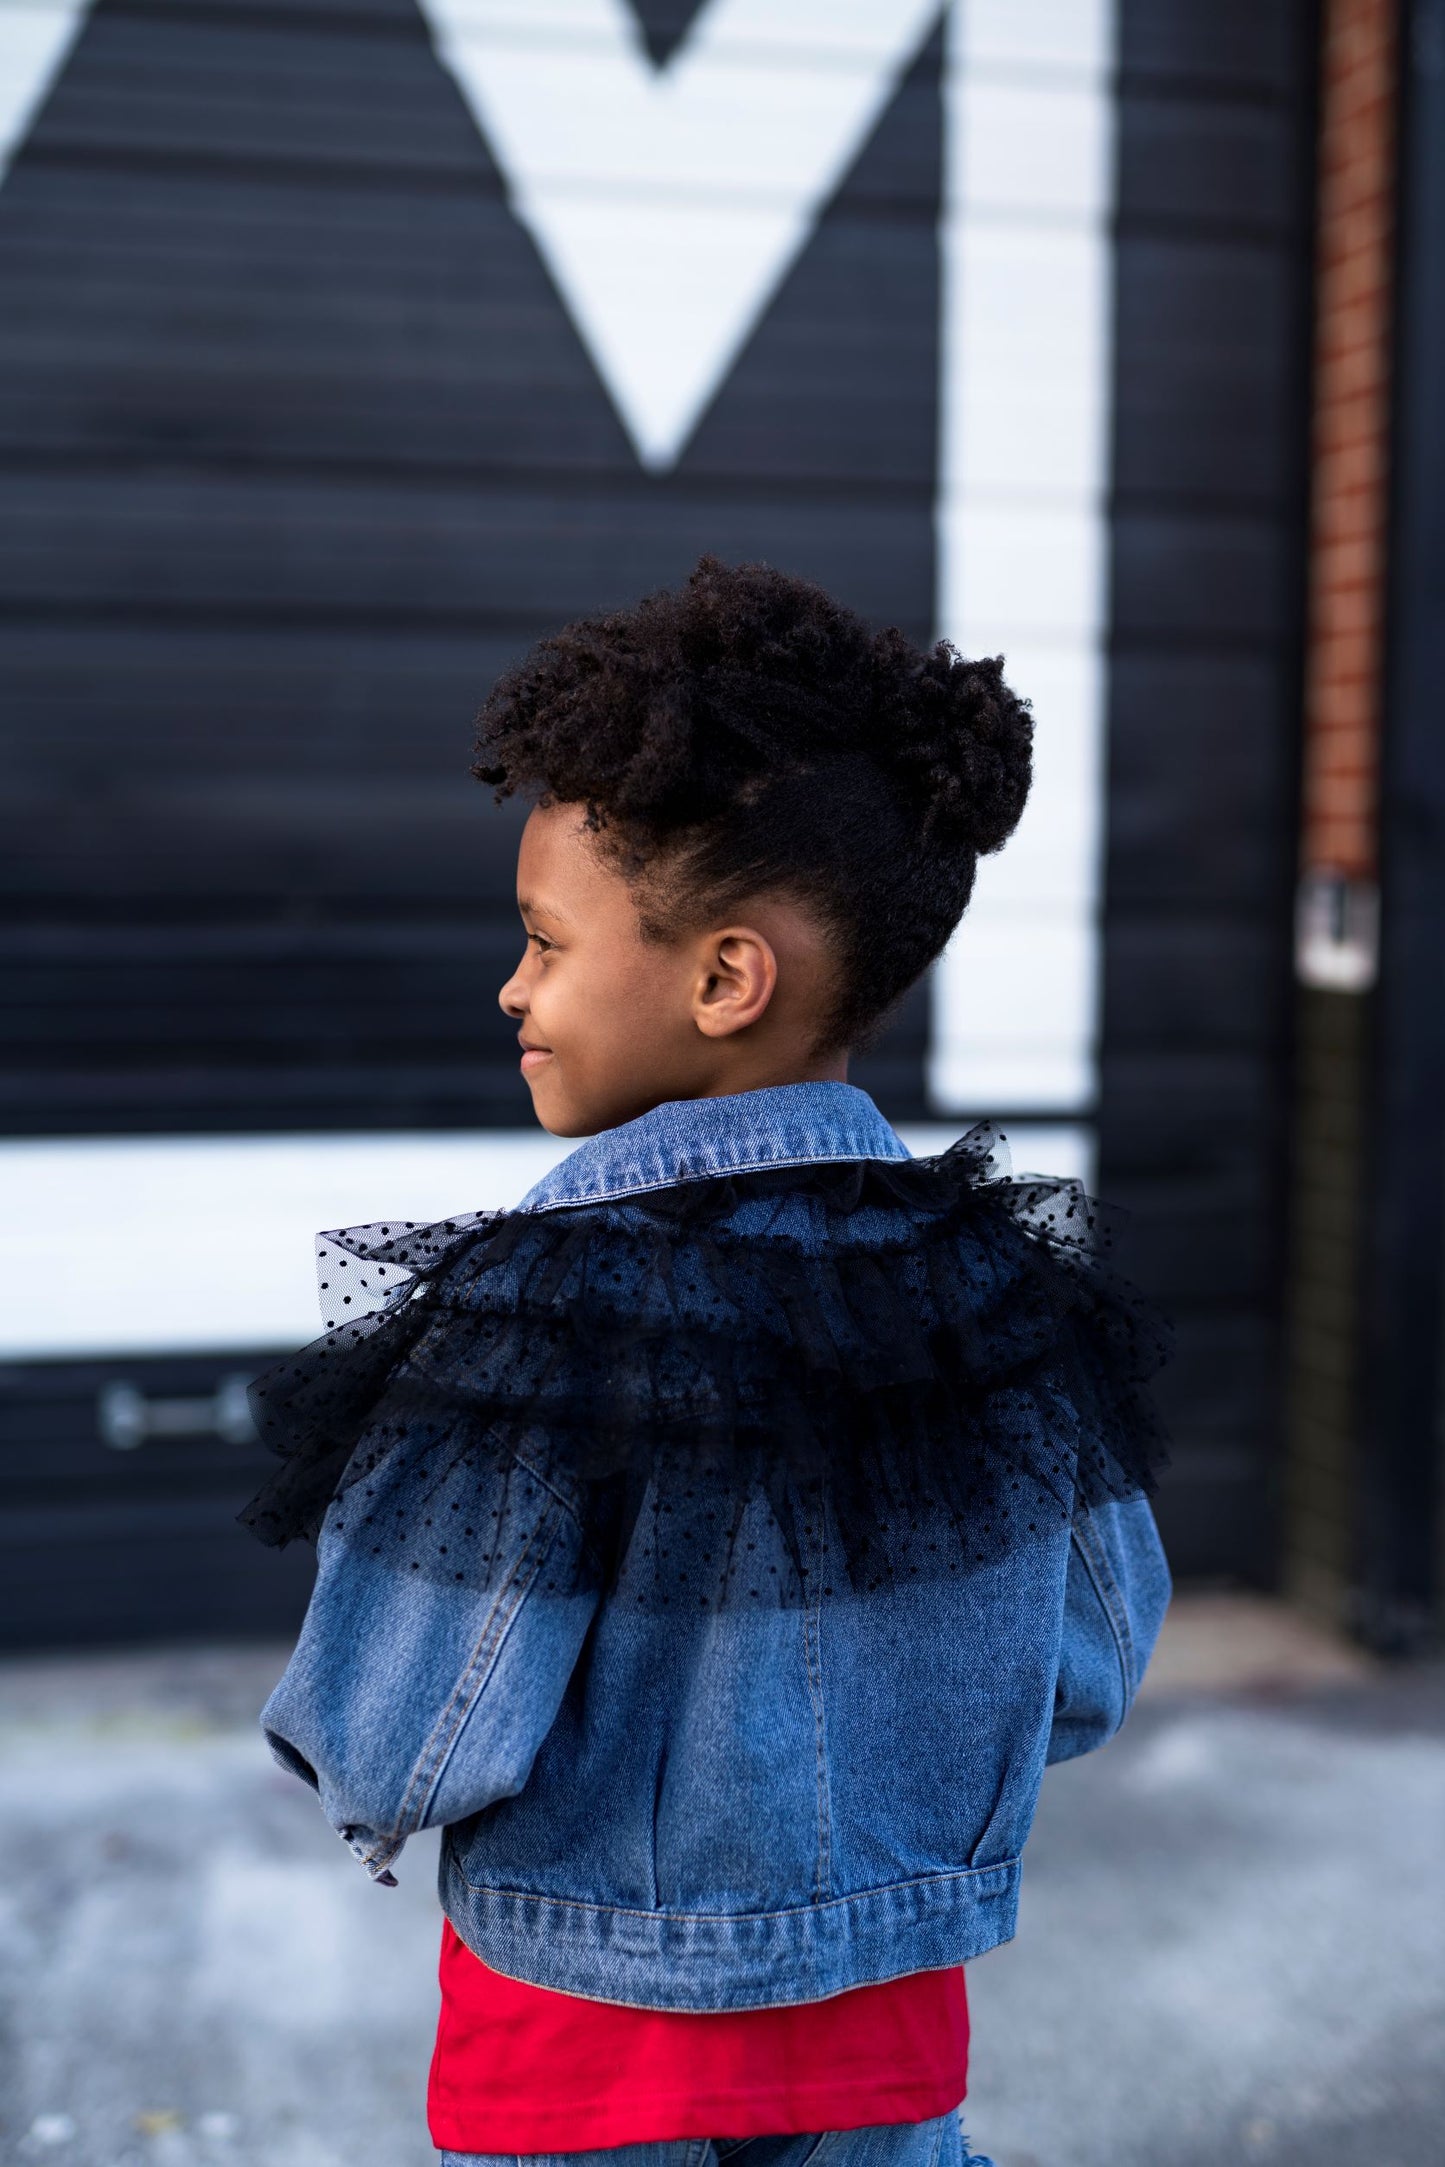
[[512, 999]]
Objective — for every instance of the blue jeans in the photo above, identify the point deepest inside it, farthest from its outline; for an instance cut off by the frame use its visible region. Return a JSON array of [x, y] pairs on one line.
[[940, 2143]]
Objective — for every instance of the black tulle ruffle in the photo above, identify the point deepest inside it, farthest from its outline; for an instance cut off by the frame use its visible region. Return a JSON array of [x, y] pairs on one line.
[[747, 1387]]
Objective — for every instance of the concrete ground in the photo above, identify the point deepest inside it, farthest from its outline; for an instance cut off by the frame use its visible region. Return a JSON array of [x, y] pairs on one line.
[[1231, 1946]]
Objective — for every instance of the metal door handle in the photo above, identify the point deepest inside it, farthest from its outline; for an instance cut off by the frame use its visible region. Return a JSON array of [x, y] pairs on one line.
[[126, 1418]]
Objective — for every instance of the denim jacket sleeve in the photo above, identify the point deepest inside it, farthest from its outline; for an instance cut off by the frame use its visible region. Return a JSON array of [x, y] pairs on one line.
[[1115, 1597], [407, 1702]]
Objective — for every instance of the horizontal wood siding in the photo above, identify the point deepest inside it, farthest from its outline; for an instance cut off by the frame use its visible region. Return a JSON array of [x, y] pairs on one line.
[[297, 448], [100, 1545], [1211, 422]]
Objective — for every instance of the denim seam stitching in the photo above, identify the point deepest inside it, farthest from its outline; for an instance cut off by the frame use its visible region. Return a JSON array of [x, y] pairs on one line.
[[1111, 1601], [813, 1649], [432, 1760], [1001, 1869], [676, 1181], [823, 1866], [544, 1482], [435, 1754], [380, 1854]]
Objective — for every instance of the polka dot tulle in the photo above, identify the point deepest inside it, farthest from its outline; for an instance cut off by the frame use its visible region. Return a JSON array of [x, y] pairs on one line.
[[758, 1388]]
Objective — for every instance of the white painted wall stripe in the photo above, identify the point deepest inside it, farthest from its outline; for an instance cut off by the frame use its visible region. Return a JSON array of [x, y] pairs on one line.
[[1025, 389], [201, 1244]]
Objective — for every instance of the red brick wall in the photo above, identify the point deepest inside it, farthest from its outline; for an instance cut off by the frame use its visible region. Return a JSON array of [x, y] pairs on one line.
[[1334, 1016], [1353, 256]]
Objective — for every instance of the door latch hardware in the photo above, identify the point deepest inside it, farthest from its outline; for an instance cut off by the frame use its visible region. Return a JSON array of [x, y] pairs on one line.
[[126, 1418]]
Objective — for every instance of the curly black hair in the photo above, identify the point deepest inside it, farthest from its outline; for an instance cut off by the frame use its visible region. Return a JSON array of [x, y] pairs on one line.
[[745, 733]]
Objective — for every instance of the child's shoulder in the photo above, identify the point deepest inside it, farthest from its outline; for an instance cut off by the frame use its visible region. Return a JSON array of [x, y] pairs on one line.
[[931, 1333]]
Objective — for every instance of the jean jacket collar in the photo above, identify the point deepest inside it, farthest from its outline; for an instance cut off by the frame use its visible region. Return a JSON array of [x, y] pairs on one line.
[[693, 1139]]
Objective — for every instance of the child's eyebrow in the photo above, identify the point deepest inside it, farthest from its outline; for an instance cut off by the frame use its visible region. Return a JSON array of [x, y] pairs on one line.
[[529, 909]]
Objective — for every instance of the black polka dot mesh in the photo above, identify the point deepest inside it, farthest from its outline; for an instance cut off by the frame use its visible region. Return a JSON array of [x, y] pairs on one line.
[[766, 1387]]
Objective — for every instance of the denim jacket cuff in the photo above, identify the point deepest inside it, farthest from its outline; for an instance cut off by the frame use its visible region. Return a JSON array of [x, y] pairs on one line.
[[376, 1852]]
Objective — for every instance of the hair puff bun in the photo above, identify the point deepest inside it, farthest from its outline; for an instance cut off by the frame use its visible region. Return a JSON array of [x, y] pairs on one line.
[[954, 739]]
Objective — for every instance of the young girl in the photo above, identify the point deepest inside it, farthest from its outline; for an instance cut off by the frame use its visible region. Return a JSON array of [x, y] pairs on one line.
[[718, 1545]]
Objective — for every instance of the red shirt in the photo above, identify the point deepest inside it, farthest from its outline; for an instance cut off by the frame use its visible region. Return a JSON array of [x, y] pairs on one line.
[[521, 2068]]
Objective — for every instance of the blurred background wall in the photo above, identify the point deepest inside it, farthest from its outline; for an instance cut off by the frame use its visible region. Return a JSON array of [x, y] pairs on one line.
[[346, 346]]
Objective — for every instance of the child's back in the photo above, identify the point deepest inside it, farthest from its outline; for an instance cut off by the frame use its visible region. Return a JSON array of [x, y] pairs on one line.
[[718, 1546]]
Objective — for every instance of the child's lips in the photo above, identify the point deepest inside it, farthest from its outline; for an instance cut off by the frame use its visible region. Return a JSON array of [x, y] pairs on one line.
[[533, 1057]]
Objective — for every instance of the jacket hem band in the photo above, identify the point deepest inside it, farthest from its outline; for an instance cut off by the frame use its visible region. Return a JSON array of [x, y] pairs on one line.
[[743, 1960]]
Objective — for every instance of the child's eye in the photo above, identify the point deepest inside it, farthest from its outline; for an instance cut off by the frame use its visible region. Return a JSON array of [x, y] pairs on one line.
[[541, 940]]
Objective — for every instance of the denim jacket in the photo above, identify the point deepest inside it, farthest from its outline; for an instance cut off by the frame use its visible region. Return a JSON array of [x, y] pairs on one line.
[[729, 1810]]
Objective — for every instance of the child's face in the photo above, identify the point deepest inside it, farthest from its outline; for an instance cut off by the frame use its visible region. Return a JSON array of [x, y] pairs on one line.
[[612, 1024]]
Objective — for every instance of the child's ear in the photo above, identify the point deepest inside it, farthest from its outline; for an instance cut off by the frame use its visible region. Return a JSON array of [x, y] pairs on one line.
[[735, 983]]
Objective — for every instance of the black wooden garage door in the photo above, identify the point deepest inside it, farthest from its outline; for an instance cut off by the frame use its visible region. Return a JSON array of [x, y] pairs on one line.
[[298, 446]]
